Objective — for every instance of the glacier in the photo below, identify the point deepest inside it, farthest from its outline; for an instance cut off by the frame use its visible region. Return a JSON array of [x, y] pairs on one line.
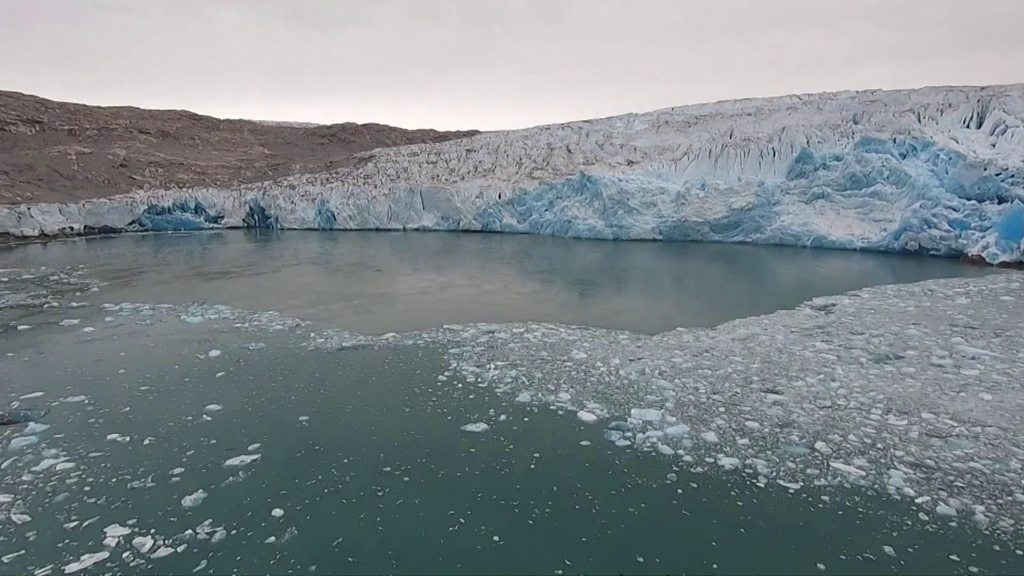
[[936, 171]]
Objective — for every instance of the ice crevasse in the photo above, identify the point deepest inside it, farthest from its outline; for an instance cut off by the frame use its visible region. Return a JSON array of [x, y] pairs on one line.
[[935, 170]]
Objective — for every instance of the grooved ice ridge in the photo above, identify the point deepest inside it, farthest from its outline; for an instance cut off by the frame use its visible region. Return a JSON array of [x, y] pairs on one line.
[[936, 170]]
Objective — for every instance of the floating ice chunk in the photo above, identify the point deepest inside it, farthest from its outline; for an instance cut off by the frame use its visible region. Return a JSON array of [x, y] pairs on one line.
[[6, 558], [6, 498], [47, 463], [677, 430], [162, 551], [218, 536], [213, 353], [200, 566], [20, 519], [585, 416], [577, 355], [32, 395], [74, 399], [69, 322], [303, 418], [116, 531], [24, 327], [277, 512], [524, 397], [88, 329], [255, 346], [177, 471], [242, 460], [143, 543], [254, 447], [848, 469], [213, 408], [728, 462], [194, 499], [646, 414], [35, 428], [475, 427], [86, 560], [115, 437], [21, 442], [710, 436], [64, 466], [666, 450], [944, 509], [822, 447]]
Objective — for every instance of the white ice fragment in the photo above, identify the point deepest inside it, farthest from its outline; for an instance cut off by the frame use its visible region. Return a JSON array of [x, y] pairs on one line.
[[116, 531], [162, 551], [677, 430], [6, 498], [254, 447], [242, 460], [24, 327], [889, 550], [213, 408], [577, 355], [822, 447], [277, 512], [74, 399], [709, 437], [585, 416], [646, 414], [213, 353], [177, 471], [35, 428], [194, 499], [6, 558], [69, 322], [666, 450], [21, 442], [944, 509], [86, 560], [728, 462], [218, 536], [524, 397], [848, 469], [143, 543], [32, 395], [475, 427], [20, 519]]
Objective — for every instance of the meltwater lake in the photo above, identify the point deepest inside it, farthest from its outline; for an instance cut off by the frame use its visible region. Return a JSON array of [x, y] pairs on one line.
[[188, 429]]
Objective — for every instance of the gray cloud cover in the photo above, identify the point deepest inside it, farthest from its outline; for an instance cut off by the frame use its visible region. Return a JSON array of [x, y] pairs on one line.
[[491, 64]]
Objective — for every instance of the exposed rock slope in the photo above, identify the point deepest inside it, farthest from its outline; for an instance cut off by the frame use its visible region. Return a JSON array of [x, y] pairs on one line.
[[57, 151]]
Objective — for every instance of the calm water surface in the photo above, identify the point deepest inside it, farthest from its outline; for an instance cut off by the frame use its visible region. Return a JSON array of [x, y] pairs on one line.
[[362, 465], [376, 282]]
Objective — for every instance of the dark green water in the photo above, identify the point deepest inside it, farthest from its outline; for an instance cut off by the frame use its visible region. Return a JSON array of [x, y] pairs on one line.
[[376, 282], [362, 449]]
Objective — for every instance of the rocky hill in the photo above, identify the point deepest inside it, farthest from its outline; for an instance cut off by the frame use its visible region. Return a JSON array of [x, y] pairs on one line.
[[59, 152]]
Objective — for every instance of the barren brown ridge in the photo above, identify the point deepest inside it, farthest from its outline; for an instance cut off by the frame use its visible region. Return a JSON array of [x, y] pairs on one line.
[[58, 151]]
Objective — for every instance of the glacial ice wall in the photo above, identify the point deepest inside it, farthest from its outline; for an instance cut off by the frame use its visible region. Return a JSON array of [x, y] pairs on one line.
[[936, 170]]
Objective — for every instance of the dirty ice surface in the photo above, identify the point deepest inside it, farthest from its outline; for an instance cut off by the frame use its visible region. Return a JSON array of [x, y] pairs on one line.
[[877, 431]]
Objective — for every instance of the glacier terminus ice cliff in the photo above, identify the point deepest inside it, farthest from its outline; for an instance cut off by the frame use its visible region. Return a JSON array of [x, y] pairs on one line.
[[935, 171]]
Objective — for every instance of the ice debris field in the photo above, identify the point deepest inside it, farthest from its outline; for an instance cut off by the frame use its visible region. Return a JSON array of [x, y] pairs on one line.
[[910, 390], [936, 171]]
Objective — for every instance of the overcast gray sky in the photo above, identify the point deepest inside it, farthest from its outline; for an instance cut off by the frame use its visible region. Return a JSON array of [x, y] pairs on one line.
[[491, 63]]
